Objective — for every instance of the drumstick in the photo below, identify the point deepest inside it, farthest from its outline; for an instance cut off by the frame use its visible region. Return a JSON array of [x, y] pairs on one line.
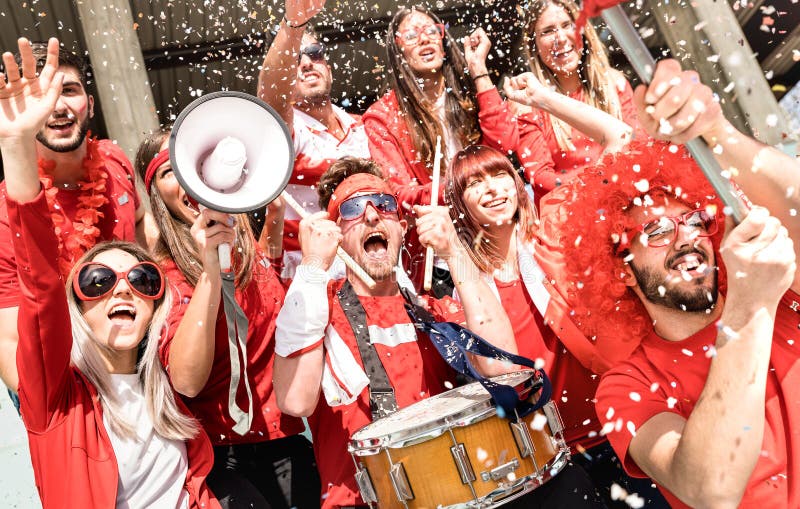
[[341, 253], [437, 163]]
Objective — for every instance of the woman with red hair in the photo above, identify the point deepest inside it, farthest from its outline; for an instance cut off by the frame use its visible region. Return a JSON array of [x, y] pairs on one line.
[[498, 225]]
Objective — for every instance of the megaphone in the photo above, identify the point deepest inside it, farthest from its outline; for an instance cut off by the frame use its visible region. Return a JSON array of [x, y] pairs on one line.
[[231, 152]]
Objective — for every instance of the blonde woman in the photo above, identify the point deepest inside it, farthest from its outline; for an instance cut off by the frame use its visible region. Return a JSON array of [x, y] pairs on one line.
[[104, 426]]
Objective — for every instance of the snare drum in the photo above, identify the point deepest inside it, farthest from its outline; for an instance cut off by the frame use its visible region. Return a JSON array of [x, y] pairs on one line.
[[454, 450]]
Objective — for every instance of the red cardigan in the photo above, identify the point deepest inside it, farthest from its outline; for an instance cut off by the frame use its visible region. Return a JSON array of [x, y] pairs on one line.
[[73, 460], [391, 146]]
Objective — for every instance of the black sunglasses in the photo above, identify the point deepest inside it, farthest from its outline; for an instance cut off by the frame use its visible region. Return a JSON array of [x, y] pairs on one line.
[[314, 51], [95, 280]]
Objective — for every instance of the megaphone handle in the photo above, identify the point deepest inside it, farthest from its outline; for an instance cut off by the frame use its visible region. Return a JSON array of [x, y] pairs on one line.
[[224, 252], [341, 253]]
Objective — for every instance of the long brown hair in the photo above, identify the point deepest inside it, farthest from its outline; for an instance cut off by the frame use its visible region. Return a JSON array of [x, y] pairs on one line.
[[596, 78], [461, 110], [480, 159], [175, 238]]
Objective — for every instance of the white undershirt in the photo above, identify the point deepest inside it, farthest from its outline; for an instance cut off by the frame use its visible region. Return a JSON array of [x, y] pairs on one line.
[[152, 469], [451, 142]]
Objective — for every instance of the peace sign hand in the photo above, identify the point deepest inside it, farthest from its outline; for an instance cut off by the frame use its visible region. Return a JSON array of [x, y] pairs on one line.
[[27, 100]]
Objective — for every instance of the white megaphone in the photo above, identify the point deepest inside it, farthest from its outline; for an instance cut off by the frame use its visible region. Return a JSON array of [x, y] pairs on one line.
[[231, 152]]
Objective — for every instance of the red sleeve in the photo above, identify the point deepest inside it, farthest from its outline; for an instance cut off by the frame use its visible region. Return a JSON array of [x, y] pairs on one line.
[[9, 283], [387, 137], [498, 126], [625, 400], [45, 334], [181, 295], [446, 309], [534, 153]]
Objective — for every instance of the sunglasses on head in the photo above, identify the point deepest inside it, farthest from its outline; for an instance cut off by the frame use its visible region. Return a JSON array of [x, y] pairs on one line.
[[95, 280], [314, 51], [355, 207]]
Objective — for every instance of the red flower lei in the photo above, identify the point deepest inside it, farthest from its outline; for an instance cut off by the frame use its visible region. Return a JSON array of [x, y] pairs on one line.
[[90, 201]]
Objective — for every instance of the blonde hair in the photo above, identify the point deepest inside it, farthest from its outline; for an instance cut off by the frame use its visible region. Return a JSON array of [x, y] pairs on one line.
[[597, 78], [168, 420]]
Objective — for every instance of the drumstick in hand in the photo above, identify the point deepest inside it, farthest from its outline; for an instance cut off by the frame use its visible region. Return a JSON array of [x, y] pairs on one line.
[[437, 163], [341, 253]]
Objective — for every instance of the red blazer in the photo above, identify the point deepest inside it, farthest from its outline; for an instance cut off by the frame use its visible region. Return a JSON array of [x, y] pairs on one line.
[[73, 460], [391, 146]]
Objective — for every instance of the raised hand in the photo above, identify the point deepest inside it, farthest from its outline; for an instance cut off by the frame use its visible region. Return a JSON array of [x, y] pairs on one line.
[[210, 229], [27, 100], [319, 240], [298, 12], [676, 107], [526, 89], [435, 229], [476, 49]]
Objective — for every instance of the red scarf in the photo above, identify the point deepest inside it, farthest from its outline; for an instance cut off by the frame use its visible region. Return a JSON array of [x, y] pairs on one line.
[[90, 201]]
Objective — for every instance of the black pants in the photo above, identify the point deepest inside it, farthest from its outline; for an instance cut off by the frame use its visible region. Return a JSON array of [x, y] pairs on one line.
[[605, 469], [571, 488], [277, 474]]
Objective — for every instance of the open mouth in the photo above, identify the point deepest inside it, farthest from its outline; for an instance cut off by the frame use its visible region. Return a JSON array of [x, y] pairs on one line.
[[122, 315], [563, 53], [376, 244], [427, 54], [310, 77], [61, 124], [690, 265], [495, 203], [191, 204]]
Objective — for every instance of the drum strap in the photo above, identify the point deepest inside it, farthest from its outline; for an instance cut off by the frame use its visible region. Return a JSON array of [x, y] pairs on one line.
[[454, 341], [381, 394]]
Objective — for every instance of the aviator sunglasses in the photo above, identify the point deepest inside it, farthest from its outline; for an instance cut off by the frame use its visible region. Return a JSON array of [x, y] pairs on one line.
[[355, 207], [95, 280], [662, 231], [314, 51]]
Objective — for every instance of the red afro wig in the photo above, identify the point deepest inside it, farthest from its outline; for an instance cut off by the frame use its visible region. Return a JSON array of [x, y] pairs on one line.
[[595, 218]]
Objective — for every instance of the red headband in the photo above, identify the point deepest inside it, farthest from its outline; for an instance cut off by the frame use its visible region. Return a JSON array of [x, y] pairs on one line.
[[358, 183], [159, 159]]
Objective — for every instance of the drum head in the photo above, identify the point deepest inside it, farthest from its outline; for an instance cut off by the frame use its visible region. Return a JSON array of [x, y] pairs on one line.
[[431, 417]]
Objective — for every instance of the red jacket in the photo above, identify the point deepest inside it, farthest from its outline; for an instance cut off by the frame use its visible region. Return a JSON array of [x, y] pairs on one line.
[[73, 460], [391, 146]]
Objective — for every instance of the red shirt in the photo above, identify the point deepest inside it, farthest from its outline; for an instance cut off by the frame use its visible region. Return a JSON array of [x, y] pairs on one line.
[[260, 300], [680, 370], [413, 365], [72, 456], [391, 145], [118, 221], [573, 385]]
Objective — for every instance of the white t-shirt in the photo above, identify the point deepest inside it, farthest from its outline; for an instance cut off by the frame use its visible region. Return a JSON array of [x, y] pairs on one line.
[[152, 470]]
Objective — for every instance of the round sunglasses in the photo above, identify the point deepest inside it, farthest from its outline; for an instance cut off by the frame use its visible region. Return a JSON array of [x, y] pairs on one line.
[[95, 280], [355, 207], [662, 231]]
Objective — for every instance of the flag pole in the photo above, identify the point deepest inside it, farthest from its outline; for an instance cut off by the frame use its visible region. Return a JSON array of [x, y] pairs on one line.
[[639, 56]]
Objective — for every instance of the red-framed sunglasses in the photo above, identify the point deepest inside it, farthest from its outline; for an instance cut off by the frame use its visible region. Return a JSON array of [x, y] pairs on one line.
[[662, 231], [411, 36], [355, 207], [95, 280]]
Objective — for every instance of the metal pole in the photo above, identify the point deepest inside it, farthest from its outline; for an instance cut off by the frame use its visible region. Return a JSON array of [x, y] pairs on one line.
[[644, 65]]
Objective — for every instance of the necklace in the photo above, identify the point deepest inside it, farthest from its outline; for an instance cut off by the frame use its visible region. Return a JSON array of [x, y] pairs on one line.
[[92, 198]]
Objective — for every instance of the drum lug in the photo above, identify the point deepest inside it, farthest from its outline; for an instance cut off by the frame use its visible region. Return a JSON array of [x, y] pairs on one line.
[[553, 418], [523, 438], [400, 482], [500, 472], [463, 464], [365, 486]]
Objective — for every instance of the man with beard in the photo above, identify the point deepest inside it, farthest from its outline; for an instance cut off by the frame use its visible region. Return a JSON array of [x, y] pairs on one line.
[[295, 79], [318, 353], [89, 183], [706, 405]]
